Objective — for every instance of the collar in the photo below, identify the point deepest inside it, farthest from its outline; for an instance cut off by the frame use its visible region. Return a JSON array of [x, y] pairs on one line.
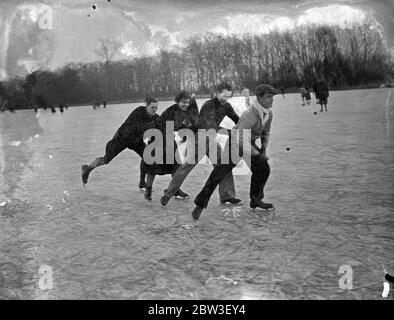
[[259, 108], [218, 103], [179, 107]]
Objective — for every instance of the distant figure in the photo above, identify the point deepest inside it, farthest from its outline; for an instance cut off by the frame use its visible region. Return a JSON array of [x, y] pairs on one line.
[[10, 108], [303, 95], [104, 104], [61, 108], [314, 92], [96, 105], [307, 95], [321, 92], [282, 91], [246, 94], [66, 107], [53, 110], [35, 110], [2, 106]]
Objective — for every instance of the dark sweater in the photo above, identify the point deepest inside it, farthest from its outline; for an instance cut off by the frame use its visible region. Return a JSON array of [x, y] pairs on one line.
[[182, 118], [136, 124], [321, 88], [212, 114]]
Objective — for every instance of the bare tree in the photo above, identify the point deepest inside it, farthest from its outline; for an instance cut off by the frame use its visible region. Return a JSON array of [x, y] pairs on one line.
[[107, 51]]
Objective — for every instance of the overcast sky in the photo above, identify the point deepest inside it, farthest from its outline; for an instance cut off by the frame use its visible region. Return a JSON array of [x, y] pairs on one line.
[[145, 26]]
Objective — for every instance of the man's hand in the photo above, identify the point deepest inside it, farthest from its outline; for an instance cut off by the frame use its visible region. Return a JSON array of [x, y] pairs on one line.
[[158, 123], [149, 125], [263, 155], [186, 124]]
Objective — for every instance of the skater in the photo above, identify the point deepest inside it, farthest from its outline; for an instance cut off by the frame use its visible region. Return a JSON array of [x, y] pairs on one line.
[[211, 115], [303, 95], [246, 94], [182, 114], [282, 91], [192, 107], [96, 105], [314, 92], [307, 95], [258, 119], [321, 92], [129, 135]]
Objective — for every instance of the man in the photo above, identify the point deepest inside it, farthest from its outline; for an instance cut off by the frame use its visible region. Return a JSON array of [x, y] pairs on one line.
[[308, 95], [182, 114], [258, 119], [129, 135], [303, 95], [282, 90], [246, 94], [321, 93], [211, 115]]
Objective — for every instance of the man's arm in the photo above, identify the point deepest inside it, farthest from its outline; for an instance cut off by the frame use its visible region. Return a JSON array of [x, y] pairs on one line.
[[326, 87], [230, 112], [266, 132], [246, 123], [134, 122], [204, 120], [168, 114], [193, 106]]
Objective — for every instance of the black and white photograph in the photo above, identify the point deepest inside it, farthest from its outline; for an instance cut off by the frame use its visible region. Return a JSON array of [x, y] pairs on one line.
[[196, 150]]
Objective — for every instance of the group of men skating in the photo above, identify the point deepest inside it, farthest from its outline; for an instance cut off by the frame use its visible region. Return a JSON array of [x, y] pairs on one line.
[[253, 125]]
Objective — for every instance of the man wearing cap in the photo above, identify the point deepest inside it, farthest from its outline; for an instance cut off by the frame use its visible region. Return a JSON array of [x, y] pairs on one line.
[[258, 120]]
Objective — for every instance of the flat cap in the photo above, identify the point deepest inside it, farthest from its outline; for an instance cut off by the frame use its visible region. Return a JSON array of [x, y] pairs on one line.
[[264, 88]]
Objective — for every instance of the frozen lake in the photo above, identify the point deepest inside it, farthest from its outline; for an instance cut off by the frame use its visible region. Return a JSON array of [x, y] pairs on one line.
[[333, 190]]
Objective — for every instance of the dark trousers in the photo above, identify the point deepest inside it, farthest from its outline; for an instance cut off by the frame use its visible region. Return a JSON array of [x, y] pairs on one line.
[[260, 173], [117, 144], [226, 185]]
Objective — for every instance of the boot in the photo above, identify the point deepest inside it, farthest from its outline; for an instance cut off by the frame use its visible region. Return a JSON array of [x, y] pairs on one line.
[[197, 212], [181, 194], [148, 193], [85, 173], [260, 204]]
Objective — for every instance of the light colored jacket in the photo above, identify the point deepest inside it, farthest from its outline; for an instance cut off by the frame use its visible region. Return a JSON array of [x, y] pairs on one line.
[[254, 119]]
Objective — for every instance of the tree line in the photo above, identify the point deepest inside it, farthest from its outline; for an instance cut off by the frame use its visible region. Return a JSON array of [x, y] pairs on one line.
[[353, 56]]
